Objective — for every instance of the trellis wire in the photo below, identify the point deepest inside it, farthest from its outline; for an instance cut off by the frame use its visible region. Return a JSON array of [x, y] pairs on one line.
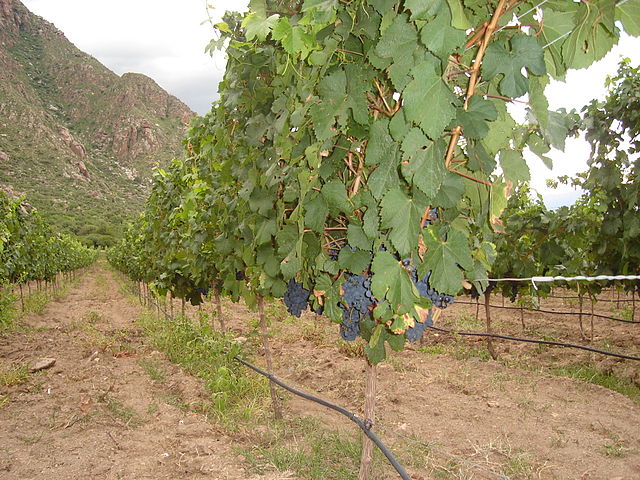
[[508, 307]]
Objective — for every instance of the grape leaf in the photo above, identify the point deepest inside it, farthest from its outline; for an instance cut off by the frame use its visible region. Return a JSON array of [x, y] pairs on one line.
[[444, 259], [259, 27], [423, 9], [316, 212], [428, 101], [426, 169], [440, 37], [391, 281], [335, 193], [629, 15], [402, 217], [293, 38], [525, 52], [355, 261], [514, 166], [357, 238], [474, 119]]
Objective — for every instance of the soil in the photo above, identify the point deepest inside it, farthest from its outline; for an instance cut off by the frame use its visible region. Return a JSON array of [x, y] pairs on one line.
[[97, 413]]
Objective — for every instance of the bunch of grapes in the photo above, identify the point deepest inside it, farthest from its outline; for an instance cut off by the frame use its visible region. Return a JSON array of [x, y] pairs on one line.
[[514, 292], [240, 275], [350, 326], [414, 333], [296, 298], [357, 295], [440, 300]]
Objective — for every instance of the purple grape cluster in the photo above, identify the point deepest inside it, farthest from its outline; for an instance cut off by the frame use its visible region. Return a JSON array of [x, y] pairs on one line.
[[440, 300], [415, 333], [296, 298], [357, 298]]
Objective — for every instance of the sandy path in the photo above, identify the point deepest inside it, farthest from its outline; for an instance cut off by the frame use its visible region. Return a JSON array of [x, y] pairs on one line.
[[96, 414]]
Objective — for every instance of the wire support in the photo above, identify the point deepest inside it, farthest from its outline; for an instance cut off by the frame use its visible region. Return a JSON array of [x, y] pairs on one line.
[[540, 342], [585, 314]]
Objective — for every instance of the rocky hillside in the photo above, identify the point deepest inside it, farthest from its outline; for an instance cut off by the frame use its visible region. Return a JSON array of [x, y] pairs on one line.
[[78, 139]]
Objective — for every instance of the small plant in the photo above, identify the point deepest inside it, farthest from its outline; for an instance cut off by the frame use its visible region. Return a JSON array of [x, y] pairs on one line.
[[154, 372], [13, 375]]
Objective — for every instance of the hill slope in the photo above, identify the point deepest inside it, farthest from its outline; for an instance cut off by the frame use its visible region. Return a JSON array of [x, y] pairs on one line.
[[78, 139]]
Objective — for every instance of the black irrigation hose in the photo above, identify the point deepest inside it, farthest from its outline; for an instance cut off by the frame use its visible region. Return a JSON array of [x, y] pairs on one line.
[[507, 307], [532, 340], [365, 425], [622, 300]]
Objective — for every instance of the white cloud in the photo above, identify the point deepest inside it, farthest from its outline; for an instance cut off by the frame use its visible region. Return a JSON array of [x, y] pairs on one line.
[[164, 39]]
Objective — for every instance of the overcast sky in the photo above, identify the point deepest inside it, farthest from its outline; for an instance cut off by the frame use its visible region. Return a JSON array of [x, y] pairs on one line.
[[165, 39]]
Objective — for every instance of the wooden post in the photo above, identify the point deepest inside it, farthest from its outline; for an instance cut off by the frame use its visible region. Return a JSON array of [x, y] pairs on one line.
[[370, 390], [182, 299], [218, 302], [487, 311], [275, 401], [171, 301], [584, 337], [21, 298], [592, 302]]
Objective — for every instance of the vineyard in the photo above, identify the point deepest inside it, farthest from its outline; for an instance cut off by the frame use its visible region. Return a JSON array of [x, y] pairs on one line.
[[32, 252], [362, 163]]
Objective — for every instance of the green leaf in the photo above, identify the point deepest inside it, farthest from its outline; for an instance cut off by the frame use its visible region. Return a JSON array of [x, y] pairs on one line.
[[440, 37], [322, 5], [259, 27], [451, 190], [391, 281], [460, 20], [371, 223], [398, 42], [377, 353], [628, 14], [316, 212], [423, 9], [357, 238], [293, 38], [332, 105], [514, 166], [426, 169], [428, 101], [442, 259], [538, 103], [525, 52], [354, 261], [590, 39], [335, 193], [383, 152], [400, 214], [396, 342], [474, 119], [413, 141]]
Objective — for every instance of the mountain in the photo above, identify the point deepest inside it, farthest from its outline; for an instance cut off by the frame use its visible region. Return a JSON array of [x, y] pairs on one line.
[[77, 138]]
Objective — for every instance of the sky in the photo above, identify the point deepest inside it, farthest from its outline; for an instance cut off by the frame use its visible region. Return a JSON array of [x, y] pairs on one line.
[[165, 39]]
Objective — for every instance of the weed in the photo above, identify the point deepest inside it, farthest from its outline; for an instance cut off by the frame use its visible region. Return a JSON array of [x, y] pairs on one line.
[[8, 310], [590, 374], [4, 399], [308, 451], [209, 355], [437, 349], [154, 372], [13, 375], [121, 412]]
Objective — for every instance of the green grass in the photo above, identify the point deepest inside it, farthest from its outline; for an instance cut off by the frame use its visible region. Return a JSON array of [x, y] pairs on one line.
[[610, 380], [235, 393], [305, 449], [154, 372], [119, 411], [8, 310], [12, 375]]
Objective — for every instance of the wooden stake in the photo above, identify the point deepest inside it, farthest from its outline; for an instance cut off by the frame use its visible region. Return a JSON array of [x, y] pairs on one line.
[[218, 302], [584, 337], [21, 298], [487, 311], [275, 401], [371, 384]]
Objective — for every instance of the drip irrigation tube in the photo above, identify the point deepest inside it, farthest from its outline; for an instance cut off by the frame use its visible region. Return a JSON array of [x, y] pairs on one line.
[[532, 340]]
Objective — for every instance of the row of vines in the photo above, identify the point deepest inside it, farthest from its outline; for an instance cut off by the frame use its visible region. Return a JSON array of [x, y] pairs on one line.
[[361, 155], [31, 250]]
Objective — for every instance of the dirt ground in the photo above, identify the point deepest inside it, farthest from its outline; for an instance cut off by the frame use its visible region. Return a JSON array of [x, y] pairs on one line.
[[99, 414]]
